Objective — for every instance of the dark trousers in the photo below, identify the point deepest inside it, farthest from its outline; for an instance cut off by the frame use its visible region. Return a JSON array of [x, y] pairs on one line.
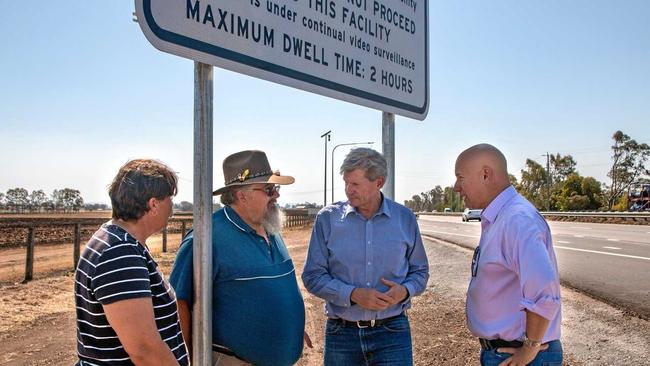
[[386, 344], [552, 356]]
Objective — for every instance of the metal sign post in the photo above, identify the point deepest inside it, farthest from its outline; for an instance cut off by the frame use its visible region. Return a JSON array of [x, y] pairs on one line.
[[388, 149], [202, 259]]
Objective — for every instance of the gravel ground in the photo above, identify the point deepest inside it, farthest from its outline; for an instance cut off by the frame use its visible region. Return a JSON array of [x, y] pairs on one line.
[[37, 321]]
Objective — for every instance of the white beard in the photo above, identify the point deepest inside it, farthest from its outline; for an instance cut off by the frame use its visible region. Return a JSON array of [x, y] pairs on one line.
[[273, 220]]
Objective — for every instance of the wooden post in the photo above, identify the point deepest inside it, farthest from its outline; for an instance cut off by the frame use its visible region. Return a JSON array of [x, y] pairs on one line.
[[183, 229], [77, 245], [164, 247], [29, 262]]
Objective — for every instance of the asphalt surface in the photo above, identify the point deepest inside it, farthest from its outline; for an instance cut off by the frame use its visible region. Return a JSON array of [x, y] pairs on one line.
[[609, 262]]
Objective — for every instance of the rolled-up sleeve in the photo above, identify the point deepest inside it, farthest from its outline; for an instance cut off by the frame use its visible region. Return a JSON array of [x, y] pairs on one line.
[[538, 277], [418, 273], [316, 276]]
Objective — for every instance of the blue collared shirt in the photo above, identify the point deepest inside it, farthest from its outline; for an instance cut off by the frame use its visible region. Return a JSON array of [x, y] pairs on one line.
[[347, 251], [517, 271], [257, 309]]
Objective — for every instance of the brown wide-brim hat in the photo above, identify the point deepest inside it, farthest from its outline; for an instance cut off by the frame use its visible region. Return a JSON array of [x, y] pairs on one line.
[[249, 167]]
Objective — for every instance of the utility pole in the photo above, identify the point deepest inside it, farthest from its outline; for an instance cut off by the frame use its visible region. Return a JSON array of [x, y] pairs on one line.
[[327, 136], [548, 181]]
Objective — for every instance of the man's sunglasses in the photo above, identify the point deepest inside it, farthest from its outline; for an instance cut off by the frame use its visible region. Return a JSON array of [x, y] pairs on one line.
[[269, 190]]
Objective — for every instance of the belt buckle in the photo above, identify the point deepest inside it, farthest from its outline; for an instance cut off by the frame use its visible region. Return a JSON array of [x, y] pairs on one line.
[[372, 324], [485, 343]]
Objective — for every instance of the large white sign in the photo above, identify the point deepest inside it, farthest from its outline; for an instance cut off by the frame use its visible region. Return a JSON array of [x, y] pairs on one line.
[[368, 52]]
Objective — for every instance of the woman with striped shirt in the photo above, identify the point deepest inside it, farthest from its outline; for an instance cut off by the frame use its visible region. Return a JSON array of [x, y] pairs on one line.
[[126, 310]]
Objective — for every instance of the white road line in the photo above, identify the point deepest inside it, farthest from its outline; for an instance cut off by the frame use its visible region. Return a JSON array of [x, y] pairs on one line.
[[578, 236], [564, 242], [444, 232], [615, 248], [577, 227], [612, 239], [598, 252]]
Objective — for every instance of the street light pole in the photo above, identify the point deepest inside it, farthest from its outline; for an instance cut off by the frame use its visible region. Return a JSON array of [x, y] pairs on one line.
[[548, 181], [334, 149], [327, 136]]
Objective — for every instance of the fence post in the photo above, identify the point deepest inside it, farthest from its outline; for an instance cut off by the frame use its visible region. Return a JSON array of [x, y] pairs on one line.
[[29, 262], [164, 247], [77, 245], [183, 229]]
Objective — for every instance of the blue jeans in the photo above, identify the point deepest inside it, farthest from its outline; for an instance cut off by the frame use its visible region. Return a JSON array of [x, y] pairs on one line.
[[386, 344], [552, 356]]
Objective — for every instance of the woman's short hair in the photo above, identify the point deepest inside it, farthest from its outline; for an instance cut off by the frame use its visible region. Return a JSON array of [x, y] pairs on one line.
[[370, 161], [136, 183]]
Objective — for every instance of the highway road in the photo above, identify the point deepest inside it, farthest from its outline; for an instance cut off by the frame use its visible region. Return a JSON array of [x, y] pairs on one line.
[[609, 262]]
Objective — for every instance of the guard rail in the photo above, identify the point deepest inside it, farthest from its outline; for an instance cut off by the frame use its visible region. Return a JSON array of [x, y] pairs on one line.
[[634, 218]]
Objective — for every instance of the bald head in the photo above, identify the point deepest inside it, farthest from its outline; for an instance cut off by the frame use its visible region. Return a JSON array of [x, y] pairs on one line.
[[486, 155], [481, 174]]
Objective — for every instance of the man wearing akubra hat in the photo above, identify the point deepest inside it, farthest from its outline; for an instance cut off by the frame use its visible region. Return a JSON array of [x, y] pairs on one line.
[[258, 313]]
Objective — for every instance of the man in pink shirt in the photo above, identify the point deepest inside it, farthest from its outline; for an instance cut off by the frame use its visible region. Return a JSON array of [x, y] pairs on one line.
[[513, 299]]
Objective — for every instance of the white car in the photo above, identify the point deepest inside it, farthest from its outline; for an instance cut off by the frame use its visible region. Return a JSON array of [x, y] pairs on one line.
[[471, 215]]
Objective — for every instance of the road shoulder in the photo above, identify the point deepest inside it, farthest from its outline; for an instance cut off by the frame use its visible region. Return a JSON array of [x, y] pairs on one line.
[[593, 332]]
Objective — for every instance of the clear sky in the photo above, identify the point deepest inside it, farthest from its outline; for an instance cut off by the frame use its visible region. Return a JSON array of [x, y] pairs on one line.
[[82, 91]]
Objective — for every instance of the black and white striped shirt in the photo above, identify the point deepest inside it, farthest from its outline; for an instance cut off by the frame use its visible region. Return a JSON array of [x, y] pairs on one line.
[[114, 266]]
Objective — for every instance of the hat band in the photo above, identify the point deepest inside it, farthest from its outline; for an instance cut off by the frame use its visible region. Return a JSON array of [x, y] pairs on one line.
[[241, 178]]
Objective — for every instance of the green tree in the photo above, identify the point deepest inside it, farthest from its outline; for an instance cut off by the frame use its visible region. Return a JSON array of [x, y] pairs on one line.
[[533, 184], [628, 165], [57, 200], [37, 200], [417, 203], [431, 199], [2, 201], [426, 200], [17, 199], [592, 189], [414, 203], [95, 206], [561, 167], [577, 194], [185, 206], [451, 199], [513, 180], [436, 196], [67, 199]]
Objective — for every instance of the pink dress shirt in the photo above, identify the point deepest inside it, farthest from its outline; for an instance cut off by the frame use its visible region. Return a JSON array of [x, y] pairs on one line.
[[516, 271]]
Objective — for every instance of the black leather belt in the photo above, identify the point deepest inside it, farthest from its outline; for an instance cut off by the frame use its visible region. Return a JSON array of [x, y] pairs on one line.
[[490, 344], [366, 323]]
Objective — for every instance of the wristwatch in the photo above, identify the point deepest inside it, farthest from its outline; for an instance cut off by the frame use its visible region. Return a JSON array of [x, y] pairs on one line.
[[531, 343]]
